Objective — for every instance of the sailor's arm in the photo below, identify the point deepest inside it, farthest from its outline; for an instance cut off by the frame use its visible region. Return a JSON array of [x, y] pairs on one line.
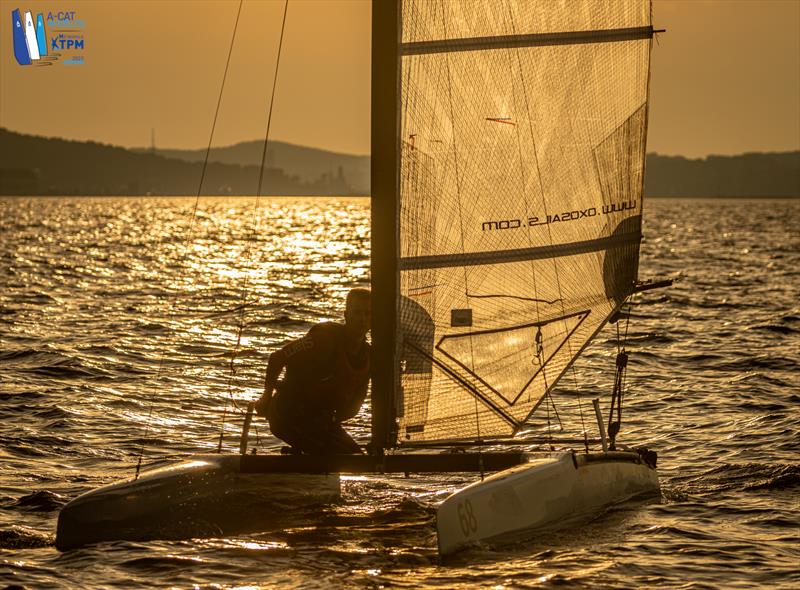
[[275, 365]]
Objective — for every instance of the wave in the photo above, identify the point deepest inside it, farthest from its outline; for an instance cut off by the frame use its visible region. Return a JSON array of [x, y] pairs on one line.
[[19, 354], [760, 377], [160, 564], [783, 477], [758, 362], [51, 412], [20, 393], [65, 372], [35, 298], [746, 476], [39, 501], [48, 364], [776, 328], [19, 537], [407, 509], [152, 328]]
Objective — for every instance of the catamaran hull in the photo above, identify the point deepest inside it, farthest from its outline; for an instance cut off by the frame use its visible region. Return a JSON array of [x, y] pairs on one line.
[[541, 494], [206, 496]]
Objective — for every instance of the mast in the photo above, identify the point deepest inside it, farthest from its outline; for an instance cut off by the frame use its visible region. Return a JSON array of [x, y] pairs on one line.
[[384, 209]]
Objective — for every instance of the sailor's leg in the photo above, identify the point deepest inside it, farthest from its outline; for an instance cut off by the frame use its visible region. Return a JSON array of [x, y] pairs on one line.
[[322, 437], [340, 442], [288, 430], [319, 437]]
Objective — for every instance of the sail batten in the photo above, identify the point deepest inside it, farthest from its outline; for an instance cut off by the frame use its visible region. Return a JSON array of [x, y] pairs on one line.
[[521, 254], [521, 154], [531, 40]]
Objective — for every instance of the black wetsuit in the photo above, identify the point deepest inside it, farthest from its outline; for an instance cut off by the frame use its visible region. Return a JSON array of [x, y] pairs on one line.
[[324, 385]]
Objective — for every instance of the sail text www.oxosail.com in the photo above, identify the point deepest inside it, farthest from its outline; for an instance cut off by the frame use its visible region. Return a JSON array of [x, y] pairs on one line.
[[566, 216]]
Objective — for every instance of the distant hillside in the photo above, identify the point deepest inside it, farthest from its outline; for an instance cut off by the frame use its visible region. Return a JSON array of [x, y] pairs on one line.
[[747, 175], [308, 164], [33, 165]]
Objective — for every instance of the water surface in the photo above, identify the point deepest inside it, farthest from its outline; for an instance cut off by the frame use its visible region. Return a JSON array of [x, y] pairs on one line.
[[119, 319]]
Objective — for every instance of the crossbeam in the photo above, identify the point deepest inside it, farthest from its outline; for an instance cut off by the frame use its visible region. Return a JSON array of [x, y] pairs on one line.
[[399, 463]]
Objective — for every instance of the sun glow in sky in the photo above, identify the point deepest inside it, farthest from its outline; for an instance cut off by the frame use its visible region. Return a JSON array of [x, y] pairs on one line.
[[726, 75]]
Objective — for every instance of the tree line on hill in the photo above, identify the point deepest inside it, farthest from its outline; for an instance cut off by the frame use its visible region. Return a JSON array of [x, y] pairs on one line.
[[32, 165]]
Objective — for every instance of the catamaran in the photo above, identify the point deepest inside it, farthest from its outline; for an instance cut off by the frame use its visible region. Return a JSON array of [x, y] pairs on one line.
[[508, 147]]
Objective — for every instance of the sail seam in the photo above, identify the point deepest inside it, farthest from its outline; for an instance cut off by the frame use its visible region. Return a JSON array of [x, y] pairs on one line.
[[526, 40], [517, 255], [469, 387]]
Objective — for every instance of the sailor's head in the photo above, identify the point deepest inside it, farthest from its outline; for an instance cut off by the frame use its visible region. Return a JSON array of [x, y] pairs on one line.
[[357, 311]]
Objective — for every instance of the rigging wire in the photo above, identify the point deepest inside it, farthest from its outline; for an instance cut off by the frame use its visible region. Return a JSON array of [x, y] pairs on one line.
[[549, 432], [540, 355], [620, 374], [254, 232], [555, 411], [625, 368], [189, 231], [580, 409]]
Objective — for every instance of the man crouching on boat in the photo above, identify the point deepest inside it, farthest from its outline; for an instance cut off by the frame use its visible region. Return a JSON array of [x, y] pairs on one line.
[[327, 372]]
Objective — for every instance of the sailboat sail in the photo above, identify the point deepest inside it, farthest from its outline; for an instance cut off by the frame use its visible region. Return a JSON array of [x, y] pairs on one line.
[[522, 142]]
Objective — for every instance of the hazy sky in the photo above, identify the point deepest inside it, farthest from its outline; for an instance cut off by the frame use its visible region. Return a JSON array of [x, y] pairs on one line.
[[725, 80]]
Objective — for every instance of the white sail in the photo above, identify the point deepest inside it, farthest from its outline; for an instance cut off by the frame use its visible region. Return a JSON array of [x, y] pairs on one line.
[[522, 143]]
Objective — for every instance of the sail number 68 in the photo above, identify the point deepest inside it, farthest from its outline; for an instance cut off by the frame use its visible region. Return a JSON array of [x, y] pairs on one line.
[[466, 516]]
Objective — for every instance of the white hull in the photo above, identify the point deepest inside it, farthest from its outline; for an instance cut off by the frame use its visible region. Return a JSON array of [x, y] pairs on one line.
[[541, 494], [205, 496]]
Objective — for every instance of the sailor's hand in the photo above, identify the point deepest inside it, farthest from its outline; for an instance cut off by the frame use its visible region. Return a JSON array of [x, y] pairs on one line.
[[262, 405]]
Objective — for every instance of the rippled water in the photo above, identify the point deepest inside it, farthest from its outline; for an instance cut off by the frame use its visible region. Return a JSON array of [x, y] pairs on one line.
[[112, 319]]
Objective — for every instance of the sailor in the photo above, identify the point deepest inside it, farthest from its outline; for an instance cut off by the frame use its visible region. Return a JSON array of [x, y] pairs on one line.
[[327, 372]]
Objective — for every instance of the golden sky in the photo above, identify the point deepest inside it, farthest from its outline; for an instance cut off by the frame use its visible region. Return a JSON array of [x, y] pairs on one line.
[[725, 80]]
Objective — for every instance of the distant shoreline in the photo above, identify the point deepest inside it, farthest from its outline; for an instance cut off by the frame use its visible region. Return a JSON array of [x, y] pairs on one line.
[[34, 165]]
